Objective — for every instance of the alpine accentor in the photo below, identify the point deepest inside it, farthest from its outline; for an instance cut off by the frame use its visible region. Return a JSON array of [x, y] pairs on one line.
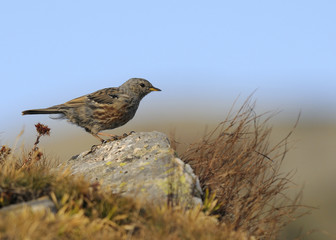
[[107, 108]]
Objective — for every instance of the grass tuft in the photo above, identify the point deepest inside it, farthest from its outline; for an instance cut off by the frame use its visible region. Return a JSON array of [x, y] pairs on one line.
[[236, 162]]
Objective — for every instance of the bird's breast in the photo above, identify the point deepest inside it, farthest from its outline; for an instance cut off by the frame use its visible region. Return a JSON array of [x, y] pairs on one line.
[[114, 115]]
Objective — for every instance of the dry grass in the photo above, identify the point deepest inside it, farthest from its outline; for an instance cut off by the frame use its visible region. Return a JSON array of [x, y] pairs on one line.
[[236, 162], [245, 193], [86, 211]]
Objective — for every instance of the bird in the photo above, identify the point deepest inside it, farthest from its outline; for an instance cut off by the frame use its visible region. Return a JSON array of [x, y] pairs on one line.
[[104, 109]]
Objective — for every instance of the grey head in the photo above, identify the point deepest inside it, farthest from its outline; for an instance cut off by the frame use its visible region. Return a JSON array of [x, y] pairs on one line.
[[137, 87]]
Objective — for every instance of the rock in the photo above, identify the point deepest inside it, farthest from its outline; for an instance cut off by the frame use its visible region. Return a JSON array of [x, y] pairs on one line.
[[41, 204], [142, 165]]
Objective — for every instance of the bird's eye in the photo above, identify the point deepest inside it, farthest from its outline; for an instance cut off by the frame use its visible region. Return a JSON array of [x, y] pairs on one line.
[[142, 85]]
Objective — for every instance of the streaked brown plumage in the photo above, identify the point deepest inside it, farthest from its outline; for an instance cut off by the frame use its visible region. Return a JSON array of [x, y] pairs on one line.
[[104, 109]]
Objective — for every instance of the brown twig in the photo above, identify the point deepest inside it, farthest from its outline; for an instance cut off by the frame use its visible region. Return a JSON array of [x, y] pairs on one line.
[[35, 154]]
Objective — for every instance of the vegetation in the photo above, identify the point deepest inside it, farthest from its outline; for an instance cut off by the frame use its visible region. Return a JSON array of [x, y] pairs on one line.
[[236, 163], [238, 170]]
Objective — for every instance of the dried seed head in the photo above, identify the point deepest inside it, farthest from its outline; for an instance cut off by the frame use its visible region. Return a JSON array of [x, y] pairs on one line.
[[5, 150], [42, 129]]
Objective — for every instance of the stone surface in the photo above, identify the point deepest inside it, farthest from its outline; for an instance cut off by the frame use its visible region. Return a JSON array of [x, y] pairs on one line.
[[41, 204], [142, 165]]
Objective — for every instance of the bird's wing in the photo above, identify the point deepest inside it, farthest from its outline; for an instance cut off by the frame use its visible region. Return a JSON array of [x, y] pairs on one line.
[[108, 96], [76, 102], [104, 96]]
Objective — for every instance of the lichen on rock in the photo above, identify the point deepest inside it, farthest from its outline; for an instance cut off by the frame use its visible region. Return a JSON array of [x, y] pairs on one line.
[[142, 165]]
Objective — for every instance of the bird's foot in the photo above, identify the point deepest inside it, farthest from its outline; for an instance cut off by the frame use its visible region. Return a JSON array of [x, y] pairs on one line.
[[92, 150], [127, 134], [115, 137], [112, 137]]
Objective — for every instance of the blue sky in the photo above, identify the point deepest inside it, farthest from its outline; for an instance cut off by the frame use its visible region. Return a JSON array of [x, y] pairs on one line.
[[53, 51]]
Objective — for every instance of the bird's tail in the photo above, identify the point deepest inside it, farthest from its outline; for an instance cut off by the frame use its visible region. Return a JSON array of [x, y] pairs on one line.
[[42, 111]]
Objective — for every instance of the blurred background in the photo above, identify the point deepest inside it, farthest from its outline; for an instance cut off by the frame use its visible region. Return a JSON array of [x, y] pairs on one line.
[[202, 54]]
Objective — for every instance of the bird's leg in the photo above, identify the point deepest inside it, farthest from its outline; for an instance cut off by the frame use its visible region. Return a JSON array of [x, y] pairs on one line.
[[100, 139], [112, 137], [106, 134]]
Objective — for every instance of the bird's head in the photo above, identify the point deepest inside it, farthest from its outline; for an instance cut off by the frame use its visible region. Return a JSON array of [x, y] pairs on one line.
[[138, 87]]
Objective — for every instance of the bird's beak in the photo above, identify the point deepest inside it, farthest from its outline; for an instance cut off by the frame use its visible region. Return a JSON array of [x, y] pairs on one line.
[[154, 89]]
